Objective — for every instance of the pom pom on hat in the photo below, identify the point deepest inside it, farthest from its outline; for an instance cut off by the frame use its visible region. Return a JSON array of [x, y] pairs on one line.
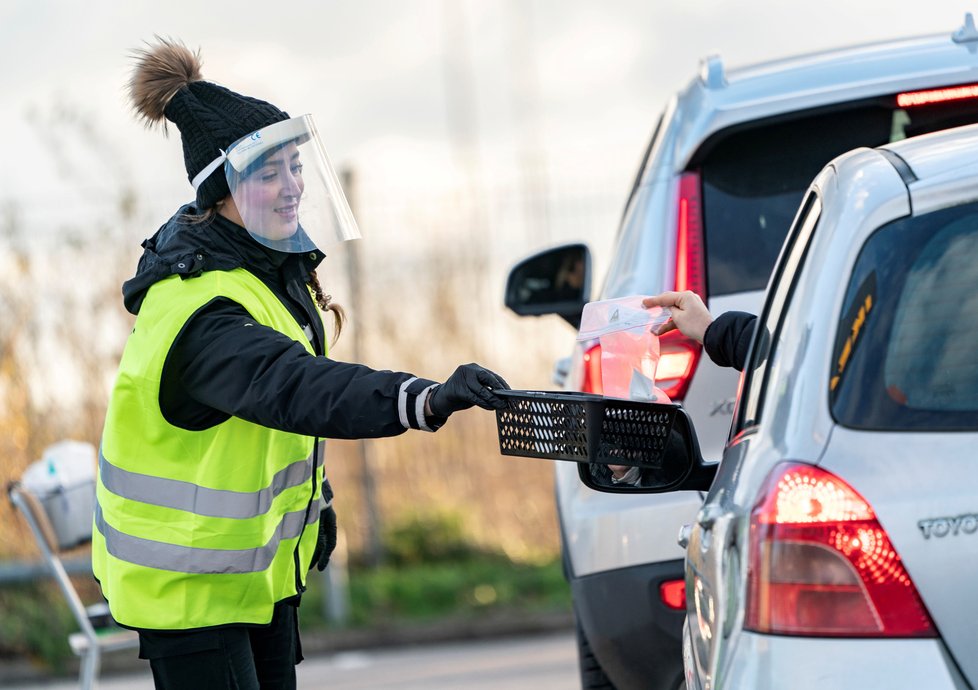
[[167, 85]]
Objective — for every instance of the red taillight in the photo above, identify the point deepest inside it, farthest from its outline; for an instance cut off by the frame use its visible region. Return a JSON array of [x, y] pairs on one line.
[[592, 370], [690, 259], [679, 355], [950, 93], [673, 594], [822, 565]]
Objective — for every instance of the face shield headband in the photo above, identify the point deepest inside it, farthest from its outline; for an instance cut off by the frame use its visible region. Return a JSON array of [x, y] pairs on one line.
[[285, 189]]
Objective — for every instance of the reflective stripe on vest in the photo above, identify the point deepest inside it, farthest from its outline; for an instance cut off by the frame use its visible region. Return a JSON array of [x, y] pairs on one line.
[[187, 559], [180, 495]]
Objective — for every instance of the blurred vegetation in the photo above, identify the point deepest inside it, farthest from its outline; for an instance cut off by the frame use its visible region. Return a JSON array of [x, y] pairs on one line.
[[35, 625], [430, 538], [433, 570], [479, 586]]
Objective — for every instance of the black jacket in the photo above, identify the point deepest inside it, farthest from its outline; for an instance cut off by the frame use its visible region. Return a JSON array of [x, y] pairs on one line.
[[224, 364], [728, 338]]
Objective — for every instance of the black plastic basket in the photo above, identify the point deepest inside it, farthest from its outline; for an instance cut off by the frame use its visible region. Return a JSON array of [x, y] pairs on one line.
[[583, 427]]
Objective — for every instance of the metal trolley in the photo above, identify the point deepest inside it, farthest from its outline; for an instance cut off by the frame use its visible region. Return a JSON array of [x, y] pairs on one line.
[[60, 518]]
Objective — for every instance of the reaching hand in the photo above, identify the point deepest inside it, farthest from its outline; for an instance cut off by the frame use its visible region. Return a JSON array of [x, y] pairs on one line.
[[689, 314], [469, 385]]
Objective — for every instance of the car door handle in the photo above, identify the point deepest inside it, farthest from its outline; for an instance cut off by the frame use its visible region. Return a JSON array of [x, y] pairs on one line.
[[684, 532], [708, 515]]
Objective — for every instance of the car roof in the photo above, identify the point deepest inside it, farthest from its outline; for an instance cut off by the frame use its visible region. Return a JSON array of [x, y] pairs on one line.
[[718, 98], [858, 66], [939, 154]]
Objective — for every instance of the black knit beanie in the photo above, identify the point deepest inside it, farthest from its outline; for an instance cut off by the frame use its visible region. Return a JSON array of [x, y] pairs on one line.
[[167, 84]]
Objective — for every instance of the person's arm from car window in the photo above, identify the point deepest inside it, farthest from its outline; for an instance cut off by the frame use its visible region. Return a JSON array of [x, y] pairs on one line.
[[726, 339]]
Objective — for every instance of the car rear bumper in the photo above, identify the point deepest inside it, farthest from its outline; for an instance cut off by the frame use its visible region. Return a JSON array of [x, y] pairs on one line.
[[635, 637], [770, 662]]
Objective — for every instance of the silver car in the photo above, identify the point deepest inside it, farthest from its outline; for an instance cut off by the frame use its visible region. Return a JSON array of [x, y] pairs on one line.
[[837, 544], [722, 178]]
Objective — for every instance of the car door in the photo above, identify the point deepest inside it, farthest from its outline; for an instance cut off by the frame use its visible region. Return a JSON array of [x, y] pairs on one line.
[[718, 537]]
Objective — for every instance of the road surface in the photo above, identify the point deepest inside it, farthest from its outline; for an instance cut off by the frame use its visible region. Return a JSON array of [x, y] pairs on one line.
[[546, 662]]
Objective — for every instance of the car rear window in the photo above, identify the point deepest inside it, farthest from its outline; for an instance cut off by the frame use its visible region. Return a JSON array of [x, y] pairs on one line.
[[904, 357], [754, 178]]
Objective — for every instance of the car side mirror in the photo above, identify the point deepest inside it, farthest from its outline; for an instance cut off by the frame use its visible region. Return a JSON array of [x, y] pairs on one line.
[[554, 281], [680, 466]]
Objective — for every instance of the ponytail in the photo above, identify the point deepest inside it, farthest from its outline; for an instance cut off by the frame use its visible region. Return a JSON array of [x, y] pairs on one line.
[[326, 303]]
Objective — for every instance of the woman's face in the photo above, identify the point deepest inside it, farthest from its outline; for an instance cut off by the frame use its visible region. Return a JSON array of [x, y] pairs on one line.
[[268, 196]]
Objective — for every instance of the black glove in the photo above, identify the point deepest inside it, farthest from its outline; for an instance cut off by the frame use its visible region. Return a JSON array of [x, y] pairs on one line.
[[327, 538], [326, 541], [469, 385]]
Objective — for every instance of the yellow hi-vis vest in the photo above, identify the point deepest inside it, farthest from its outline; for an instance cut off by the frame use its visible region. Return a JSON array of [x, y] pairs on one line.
[[199, 528]]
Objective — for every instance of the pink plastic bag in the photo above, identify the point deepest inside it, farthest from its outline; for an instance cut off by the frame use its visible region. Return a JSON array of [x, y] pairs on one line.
[[629, 349]]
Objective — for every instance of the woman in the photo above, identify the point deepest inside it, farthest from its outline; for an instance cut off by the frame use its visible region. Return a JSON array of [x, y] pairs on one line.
[[212, 502]]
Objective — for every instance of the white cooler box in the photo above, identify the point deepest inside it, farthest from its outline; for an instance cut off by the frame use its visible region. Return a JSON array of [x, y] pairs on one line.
[[63, 480]]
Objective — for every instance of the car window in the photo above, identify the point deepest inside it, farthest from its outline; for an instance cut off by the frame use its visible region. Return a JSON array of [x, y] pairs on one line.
[[904, 356], [754, 178], [768, 324]]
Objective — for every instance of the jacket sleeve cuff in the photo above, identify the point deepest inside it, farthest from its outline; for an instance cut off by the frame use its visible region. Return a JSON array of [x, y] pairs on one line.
[[410, 405], [728, 338]]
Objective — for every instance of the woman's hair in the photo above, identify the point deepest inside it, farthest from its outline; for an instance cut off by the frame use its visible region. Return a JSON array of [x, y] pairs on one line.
[[326, 303], [203, 217]]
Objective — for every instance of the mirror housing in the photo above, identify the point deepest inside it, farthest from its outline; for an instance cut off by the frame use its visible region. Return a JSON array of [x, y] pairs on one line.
[[683, 467], [554, 281]]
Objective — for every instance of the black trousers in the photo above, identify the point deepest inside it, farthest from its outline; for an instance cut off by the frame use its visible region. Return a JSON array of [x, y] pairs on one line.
[[235, 657]]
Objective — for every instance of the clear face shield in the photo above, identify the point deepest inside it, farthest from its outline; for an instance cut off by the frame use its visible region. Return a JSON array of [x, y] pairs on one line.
[[285, 189]]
